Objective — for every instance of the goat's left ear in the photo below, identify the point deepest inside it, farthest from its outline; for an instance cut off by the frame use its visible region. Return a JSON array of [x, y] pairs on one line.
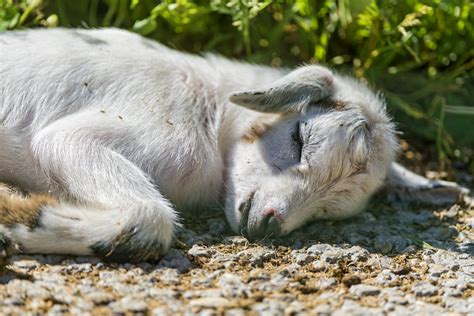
[[292, 93], [404, 185]]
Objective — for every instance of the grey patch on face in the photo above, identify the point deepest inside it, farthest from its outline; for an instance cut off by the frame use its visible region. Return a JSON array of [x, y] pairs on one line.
[[89, 39]]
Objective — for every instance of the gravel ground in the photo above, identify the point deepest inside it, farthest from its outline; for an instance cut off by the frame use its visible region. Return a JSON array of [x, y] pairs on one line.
[[395, 261]]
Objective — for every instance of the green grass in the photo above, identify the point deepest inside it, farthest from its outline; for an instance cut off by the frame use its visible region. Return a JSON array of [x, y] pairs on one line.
[[419, 53]]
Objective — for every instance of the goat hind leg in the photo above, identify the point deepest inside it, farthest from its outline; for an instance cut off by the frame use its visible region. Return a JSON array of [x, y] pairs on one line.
[[117, 213]]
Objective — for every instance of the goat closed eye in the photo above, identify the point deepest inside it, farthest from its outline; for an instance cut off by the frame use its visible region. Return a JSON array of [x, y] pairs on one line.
[[297, 139]]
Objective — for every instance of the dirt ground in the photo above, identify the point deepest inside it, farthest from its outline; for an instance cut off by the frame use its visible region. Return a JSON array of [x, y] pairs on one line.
[[392, 259]]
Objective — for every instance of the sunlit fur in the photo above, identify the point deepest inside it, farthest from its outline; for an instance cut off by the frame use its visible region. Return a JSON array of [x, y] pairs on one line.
[[124, 132]]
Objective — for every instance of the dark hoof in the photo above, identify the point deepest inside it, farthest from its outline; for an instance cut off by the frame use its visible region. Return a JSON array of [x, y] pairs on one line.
[[127, 248], [6, 249]]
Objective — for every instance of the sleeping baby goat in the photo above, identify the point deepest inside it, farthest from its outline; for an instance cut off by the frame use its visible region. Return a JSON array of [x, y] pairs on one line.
[[112, 134]]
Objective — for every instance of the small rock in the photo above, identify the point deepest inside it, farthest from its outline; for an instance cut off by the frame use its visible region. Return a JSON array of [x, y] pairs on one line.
[[107, 275], [383, 244], [386, 278], [453, 292], [364, 290], [200, 252], [401, 270], [357, 253], [318, 266], [258, 256], [452, 211], [231, 286], [100, 298], [437, 269], [424, 289], [319, 249], [236, 241], [269, 307], [322, 310], [277, 283], [26, 264], [367, 217], [302, 258], [356, 238], [17, 300], [386, 243], [163, 294], [459, 305], [168, 276], [175, 259], [291, 270], [350, 280], [214, 302], [333, 255], [440, 233], [128, 304], [235, 312], [350, 307], [79, 267], [388, 307], [398, 300], [328, 283]]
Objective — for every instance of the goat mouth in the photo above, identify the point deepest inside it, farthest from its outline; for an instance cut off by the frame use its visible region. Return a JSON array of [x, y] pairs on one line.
[[244, 209]]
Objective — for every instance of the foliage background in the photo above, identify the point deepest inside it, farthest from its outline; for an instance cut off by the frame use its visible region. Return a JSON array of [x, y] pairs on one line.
[[420, 54]]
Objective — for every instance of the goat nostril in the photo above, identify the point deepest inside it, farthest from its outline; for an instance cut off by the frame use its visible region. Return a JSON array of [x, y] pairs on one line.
[[270, 212], [270, 224]]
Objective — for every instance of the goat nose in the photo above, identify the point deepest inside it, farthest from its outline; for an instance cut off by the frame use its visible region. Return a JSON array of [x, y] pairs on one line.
[[269, 225]]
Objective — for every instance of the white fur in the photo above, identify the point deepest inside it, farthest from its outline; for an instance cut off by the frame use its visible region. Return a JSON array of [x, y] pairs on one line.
[[124, 131]]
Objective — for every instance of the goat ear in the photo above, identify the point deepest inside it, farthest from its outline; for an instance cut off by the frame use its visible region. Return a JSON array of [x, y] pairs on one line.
[[292, 93], [406, 186]]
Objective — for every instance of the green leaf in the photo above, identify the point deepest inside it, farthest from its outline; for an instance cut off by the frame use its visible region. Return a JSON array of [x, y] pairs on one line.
[[145, 26]]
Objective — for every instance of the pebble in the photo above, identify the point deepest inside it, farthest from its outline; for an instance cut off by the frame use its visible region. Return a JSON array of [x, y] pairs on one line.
[[387, 243], [302, 258], [236, 241], [364, 290], [26, 264], [328, 283], [386, 278], [200, 251], [424, 289], [319, 249], [258, 256], [231, 286], [350, 280], [439, 233], [437, 270], [357, 253], [354, 308], [169, 276], [459, 305], [175, 259], [322, 310], [210, 302], [318, 266], [100, 298], [128, 304]]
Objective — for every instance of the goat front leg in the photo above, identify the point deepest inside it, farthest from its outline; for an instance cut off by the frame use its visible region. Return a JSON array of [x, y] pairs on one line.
[[405, 185], [105, 205]]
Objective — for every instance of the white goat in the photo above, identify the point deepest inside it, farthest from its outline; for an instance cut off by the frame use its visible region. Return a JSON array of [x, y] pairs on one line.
[[111, 133]]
